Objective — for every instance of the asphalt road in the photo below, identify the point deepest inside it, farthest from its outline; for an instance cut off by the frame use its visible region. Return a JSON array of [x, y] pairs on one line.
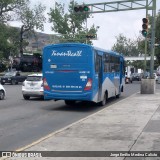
[[24, 121]]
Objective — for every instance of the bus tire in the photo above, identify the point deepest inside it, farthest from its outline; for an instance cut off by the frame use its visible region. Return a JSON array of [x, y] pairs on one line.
[[122, 89], [118, 95], [104, 101], [69, 102]]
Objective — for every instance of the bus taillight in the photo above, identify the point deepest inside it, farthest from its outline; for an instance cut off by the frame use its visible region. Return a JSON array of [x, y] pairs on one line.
[[45, 84], [88, 85]]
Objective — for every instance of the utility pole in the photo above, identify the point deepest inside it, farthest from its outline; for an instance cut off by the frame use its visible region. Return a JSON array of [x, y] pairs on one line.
[[21, 40], [153, 39], [86, 29], [145, 50]]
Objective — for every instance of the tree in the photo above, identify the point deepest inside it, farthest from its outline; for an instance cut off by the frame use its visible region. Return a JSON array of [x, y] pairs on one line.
[[8, 8], [71, 26], [3, 40], [14, 40], [31, 18], [129, 47], [126, 46], [9, 42], [157, 35]]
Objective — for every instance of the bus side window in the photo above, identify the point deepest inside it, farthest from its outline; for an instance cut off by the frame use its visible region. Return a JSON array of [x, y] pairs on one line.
[[112, 67], [124, 66], [96, 62], [117, 64], [106, 62]]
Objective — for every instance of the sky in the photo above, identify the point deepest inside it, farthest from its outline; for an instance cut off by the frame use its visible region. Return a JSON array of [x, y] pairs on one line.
[[111, 24]]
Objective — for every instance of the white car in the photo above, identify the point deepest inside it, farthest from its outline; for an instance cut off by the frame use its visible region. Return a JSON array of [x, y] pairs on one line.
[[155, 76], [33, 86], [2, 92]]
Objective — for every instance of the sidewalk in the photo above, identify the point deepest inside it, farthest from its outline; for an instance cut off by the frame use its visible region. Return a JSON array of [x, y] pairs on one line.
[[132, 124]]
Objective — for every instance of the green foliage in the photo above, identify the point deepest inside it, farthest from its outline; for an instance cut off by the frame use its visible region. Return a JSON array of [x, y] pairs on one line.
[[31, 18], [9, 41], [130, 47], [4, 45], [12, 38], [126, 46], [8, 8], [71, 26]]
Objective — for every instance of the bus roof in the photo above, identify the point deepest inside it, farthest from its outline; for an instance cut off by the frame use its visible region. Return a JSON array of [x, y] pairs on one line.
[[82, 44], [108, 51]]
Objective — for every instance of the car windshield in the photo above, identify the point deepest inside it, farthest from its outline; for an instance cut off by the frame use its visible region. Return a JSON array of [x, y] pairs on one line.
[[10, 74], [34, 78]]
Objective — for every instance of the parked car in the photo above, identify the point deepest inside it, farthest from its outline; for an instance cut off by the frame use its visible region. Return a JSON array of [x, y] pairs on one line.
[[12, 77], [145, 75], [2, 92], [155, 76], [33, 86], [136, 77]]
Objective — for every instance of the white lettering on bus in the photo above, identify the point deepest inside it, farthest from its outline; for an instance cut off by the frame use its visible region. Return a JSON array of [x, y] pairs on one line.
[[68, 53]]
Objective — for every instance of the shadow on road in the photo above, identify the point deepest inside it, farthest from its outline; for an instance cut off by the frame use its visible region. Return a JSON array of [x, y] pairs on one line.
[[79, 106]]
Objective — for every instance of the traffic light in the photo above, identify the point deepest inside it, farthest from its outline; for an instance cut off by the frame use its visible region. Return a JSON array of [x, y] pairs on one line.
[[145, 27], [81, 9], [91, 36]]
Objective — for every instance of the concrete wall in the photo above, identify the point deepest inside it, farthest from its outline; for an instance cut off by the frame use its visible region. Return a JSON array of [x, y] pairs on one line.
[[148, 86]]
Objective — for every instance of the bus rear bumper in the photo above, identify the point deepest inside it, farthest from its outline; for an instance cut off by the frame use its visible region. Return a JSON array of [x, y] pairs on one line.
[[70, 96]]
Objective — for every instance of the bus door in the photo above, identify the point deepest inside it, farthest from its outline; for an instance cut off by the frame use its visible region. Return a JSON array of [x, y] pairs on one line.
[[121, 71], [100, 76]]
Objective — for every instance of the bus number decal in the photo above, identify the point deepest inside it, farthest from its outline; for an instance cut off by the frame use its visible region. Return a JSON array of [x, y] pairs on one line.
[[83, 78], [68, 86]]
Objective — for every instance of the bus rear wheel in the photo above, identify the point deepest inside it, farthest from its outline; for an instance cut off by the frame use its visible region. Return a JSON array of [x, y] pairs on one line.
[[69, 102], [104, 101], [118, 95]]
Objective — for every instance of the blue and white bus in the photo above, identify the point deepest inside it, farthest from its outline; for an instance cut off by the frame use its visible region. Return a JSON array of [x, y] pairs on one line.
[[80, 72]]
